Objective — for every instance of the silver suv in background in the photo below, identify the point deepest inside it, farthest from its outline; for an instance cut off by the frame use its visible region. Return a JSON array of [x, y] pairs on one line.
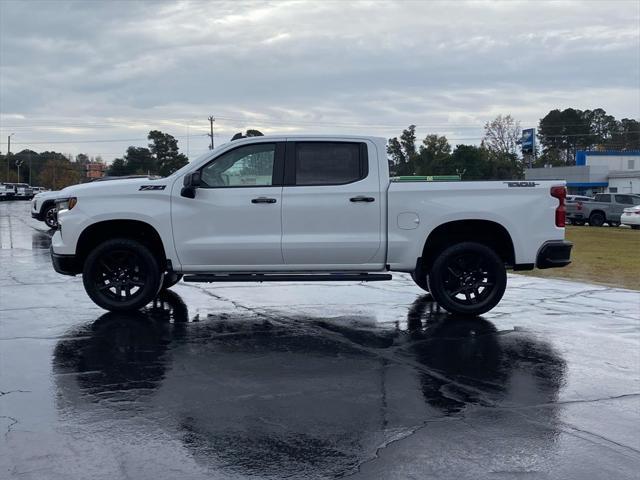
[[604, 208]]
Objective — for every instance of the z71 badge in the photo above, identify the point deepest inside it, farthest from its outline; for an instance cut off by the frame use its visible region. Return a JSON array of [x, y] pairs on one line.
[[152, 187], [522, 184]]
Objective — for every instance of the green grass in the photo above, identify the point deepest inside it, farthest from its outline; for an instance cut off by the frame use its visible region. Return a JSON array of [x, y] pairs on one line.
[[604, 255]]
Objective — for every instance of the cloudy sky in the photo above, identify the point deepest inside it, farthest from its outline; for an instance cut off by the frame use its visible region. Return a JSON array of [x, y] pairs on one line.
[[95, 76]]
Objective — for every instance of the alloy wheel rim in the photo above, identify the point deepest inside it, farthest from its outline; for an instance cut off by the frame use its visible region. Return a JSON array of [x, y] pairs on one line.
[[120, 275], [469, 279]]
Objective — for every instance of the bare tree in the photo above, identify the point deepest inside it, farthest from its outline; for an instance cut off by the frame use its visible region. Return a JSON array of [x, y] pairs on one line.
[[501, 135]]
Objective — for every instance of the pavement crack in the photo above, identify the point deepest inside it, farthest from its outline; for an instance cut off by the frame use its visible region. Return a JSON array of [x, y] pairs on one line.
[[3, 393], [13, 423], [410, 433]]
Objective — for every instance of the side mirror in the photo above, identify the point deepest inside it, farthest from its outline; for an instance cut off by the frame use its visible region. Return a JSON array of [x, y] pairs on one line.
[[190, 182]]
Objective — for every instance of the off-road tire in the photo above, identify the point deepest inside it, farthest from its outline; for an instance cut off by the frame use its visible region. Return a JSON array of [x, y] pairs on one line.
[[469, 270], [121, 275]]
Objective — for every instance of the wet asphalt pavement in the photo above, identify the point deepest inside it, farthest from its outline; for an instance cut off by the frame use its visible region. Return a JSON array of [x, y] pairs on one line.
[[311, 381]]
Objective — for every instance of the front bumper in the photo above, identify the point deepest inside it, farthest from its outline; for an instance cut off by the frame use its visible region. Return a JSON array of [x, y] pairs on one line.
[[65, 264], [554, 254], [37, 216]]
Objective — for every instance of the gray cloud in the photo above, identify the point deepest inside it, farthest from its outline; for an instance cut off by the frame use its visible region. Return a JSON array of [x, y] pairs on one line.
[[81, 71]]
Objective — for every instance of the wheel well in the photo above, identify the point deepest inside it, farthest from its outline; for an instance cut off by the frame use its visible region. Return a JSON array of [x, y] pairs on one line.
[[142, 232], [486, 232]]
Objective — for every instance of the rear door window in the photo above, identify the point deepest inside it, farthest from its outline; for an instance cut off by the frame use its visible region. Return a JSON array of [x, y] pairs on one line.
[[624, 199], [329, 163], [603, 197]]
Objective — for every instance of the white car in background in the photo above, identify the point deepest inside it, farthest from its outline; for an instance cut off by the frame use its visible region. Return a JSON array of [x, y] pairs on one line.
[[631, 216], [43, 208]]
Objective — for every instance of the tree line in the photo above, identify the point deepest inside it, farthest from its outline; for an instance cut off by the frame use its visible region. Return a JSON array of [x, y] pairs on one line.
[[55, 170], [560, 135]]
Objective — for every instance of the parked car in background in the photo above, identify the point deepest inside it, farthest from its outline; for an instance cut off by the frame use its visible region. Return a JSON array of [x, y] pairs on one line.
[[578, 198], [574, 204], [631, 216], [7, 191], [604, 208], [23, 191], [43, 208]]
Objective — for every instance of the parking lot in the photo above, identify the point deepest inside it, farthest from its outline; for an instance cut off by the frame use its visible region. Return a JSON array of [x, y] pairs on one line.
[[311, 380]]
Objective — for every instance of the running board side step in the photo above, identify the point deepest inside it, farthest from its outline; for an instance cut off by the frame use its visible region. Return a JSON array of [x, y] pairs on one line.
[[268, 277]]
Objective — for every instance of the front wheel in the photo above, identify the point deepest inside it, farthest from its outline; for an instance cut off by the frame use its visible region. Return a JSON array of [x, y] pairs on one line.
[[468, 278], [50, 217], [121, 274]]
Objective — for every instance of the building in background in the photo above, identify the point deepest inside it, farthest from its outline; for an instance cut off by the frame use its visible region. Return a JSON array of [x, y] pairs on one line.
[[95, 170], [595, 172]]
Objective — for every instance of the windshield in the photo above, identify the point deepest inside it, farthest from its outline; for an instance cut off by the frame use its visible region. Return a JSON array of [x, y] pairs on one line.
[[206, 155]]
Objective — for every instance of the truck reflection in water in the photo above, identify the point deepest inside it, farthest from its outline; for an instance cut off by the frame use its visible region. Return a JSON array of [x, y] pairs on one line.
[[294, 396]]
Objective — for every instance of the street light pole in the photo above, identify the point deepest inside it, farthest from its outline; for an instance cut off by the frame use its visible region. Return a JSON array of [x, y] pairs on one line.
[[8, 153]]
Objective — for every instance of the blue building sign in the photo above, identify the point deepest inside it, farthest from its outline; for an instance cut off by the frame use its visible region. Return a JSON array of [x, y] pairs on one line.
[[528, 141]]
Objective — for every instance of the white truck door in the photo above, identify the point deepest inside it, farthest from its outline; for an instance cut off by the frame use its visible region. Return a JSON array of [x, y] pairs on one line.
[[235, 218], [331, 205]]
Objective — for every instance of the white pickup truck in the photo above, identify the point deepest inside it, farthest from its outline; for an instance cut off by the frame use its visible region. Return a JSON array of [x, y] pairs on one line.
[[306, 208]]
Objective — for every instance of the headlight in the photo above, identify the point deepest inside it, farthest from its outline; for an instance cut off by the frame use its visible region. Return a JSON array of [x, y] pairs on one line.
[[66, 203]]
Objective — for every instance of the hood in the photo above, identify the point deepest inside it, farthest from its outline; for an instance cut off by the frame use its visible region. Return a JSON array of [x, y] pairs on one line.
[[114, 187], [47, 195]]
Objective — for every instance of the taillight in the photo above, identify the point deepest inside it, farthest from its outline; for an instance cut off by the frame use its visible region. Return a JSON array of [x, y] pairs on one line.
[[560, 192]]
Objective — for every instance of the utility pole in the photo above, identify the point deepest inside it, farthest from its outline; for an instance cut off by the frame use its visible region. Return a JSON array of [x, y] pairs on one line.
[[30, 168], [211, 120], [8, 153]]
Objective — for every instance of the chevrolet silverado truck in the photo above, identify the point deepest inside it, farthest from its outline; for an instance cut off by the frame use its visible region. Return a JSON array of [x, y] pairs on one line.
[[604, 208], [306, 208]]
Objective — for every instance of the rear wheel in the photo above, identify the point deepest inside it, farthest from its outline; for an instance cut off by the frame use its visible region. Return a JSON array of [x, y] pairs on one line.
[[635, 227], [468, 278], [596, 219], [50, 217], [121, 274]]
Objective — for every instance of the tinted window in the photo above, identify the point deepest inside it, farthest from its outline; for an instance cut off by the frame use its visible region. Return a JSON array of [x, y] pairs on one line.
[[635, 200], [626, 199], [327, 163], [602, 197], [243, 167]]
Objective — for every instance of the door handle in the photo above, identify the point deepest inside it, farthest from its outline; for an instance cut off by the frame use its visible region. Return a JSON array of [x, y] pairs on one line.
[[263, 200], [362, 199]]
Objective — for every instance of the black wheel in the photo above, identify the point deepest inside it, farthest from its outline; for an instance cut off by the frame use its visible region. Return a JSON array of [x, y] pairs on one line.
[[121, 274], [468, 278], [596, 219], [170, 279], [635, 227], [50, 217]]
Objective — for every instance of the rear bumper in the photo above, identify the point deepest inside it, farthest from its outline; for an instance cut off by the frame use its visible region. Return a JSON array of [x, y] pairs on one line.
[[554, 254], [65, 264]]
